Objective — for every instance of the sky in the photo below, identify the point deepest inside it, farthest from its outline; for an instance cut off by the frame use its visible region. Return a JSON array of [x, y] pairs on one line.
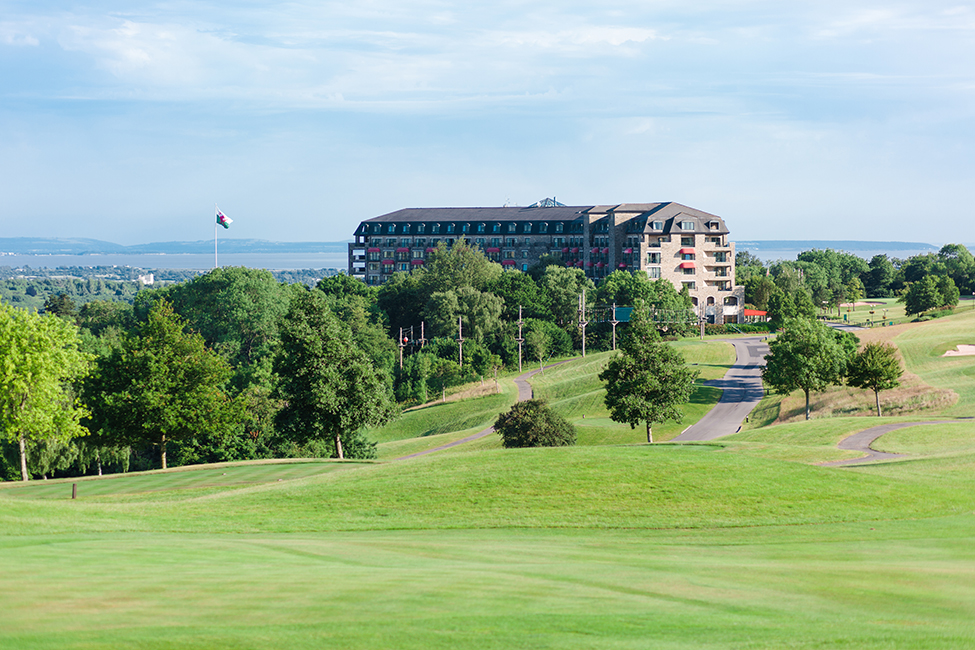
[[128, 121]]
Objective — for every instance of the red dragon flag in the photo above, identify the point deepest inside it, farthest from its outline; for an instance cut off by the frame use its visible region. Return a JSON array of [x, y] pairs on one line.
[[223, 219]]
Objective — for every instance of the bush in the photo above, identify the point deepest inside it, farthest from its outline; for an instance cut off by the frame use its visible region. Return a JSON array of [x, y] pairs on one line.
[[533, 424]]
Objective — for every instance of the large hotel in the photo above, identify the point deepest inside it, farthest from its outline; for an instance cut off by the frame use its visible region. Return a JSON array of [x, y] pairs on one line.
[[688, 247]]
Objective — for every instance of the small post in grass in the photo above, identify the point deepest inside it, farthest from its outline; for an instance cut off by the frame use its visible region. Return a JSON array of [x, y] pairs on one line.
[[74, 490]]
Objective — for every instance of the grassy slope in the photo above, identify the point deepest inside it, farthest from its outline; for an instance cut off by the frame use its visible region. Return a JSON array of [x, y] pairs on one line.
[[664, 546], [706, 546]]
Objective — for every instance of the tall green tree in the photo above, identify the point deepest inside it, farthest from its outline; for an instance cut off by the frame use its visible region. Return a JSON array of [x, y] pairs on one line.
[[40, 357], [161, 385], [237, 311], [806, 356], [649, 381], [877, 368], [562, 287], [922, 296], [331, 388]]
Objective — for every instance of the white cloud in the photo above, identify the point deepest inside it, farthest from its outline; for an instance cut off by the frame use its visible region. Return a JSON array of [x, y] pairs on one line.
[[18, 35]]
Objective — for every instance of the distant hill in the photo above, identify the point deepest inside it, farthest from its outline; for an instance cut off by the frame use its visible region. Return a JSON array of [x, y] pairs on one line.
[[82, 246], [839, 245]]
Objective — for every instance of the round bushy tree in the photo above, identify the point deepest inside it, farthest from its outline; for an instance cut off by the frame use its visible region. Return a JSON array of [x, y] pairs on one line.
[[533, 424]]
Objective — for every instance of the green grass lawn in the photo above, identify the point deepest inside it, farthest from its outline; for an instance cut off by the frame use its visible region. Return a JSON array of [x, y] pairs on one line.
[[625, 547], [741, 543], [922, 348]]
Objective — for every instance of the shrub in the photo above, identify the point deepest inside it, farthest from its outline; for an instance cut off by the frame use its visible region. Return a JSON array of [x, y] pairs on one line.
[[533, 424]]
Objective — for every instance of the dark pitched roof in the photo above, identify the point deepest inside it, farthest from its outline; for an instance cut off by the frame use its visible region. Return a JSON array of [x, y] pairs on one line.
[[567, 213]]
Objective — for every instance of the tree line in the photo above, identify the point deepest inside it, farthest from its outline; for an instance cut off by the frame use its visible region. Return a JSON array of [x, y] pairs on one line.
[[236, 365], [826, 279]]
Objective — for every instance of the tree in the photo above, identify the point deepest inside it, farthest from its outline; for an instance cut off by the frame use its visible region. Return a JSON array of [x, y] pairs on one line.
[[875, 367], [480, 312], [331, 388], [458, 266], [807, 356], [854, 291], [649, 381], [517, 289], [161, 385], [61, 305], [880, 277], [758, 290], [562, 287], [533, 424], [237, 311], [922, 296], [39, 358], [947, 292]]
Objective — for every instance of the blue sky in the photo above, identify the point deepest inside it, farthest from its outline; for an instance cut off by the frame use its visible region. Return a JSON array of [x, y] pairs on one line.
[[127, 121]]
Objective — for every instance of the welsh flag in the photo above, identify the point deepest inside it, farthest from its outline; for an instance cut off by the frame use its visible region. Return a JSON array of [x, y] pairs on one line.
[[223, 219]]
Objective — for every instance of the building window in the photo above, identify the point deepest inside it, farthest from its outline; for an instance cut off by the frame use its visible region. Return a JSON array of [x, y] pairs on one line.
[[374, 256], [687, 256], [687, 225], [657, 225], [512, 227], [465, 228], [406, 229], [420, 227], [663, 240], [527, 227], [690, 286], [688, 271], [435, 229], [479, 241], [404, 267], [450, 228], [653, 258], [687, 241], [524, 267], [405, 243], [496, 227], [421, 241], [373, 266], [417, 254], [558, 227], [653, 272], [480, 227], [524, 254], [509, 255]]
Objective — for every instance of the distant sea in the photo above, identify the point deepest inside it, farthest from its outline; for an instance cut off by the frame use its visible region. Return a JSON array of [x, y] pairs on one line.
[[776, 254], [270, 261]]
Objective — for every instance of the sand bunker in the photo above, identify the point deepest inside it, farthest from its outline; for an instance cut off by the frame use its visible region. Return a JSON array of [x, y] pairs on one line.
[[862, 304], [961, 351]]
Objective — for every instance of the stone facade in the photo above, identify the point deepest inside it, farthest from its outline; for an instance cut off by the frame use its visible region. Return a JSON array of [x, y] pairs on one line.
[[688, 247]]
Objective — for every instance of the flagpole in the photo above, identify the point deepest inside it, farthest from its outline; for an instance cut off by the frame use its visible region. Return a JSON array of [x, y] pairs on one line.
[[216, 208]]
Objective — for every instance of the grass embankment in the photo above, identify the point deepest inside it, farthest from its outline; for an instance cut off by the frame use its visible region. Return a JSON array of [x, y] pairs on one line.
[[630, 546], [572, 388], [932, 386]]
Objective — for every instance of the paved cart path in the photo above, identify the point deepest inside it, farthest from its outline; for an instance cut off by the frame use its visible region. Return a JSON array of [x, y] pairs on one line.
[[742, 386], [862, 441], [525, 392]]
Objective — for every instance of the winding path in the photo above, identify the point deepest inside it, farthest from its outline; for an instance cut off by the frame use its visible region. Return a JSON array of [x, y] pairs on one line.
[[862, 441], [525, 392], [742, 386]]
